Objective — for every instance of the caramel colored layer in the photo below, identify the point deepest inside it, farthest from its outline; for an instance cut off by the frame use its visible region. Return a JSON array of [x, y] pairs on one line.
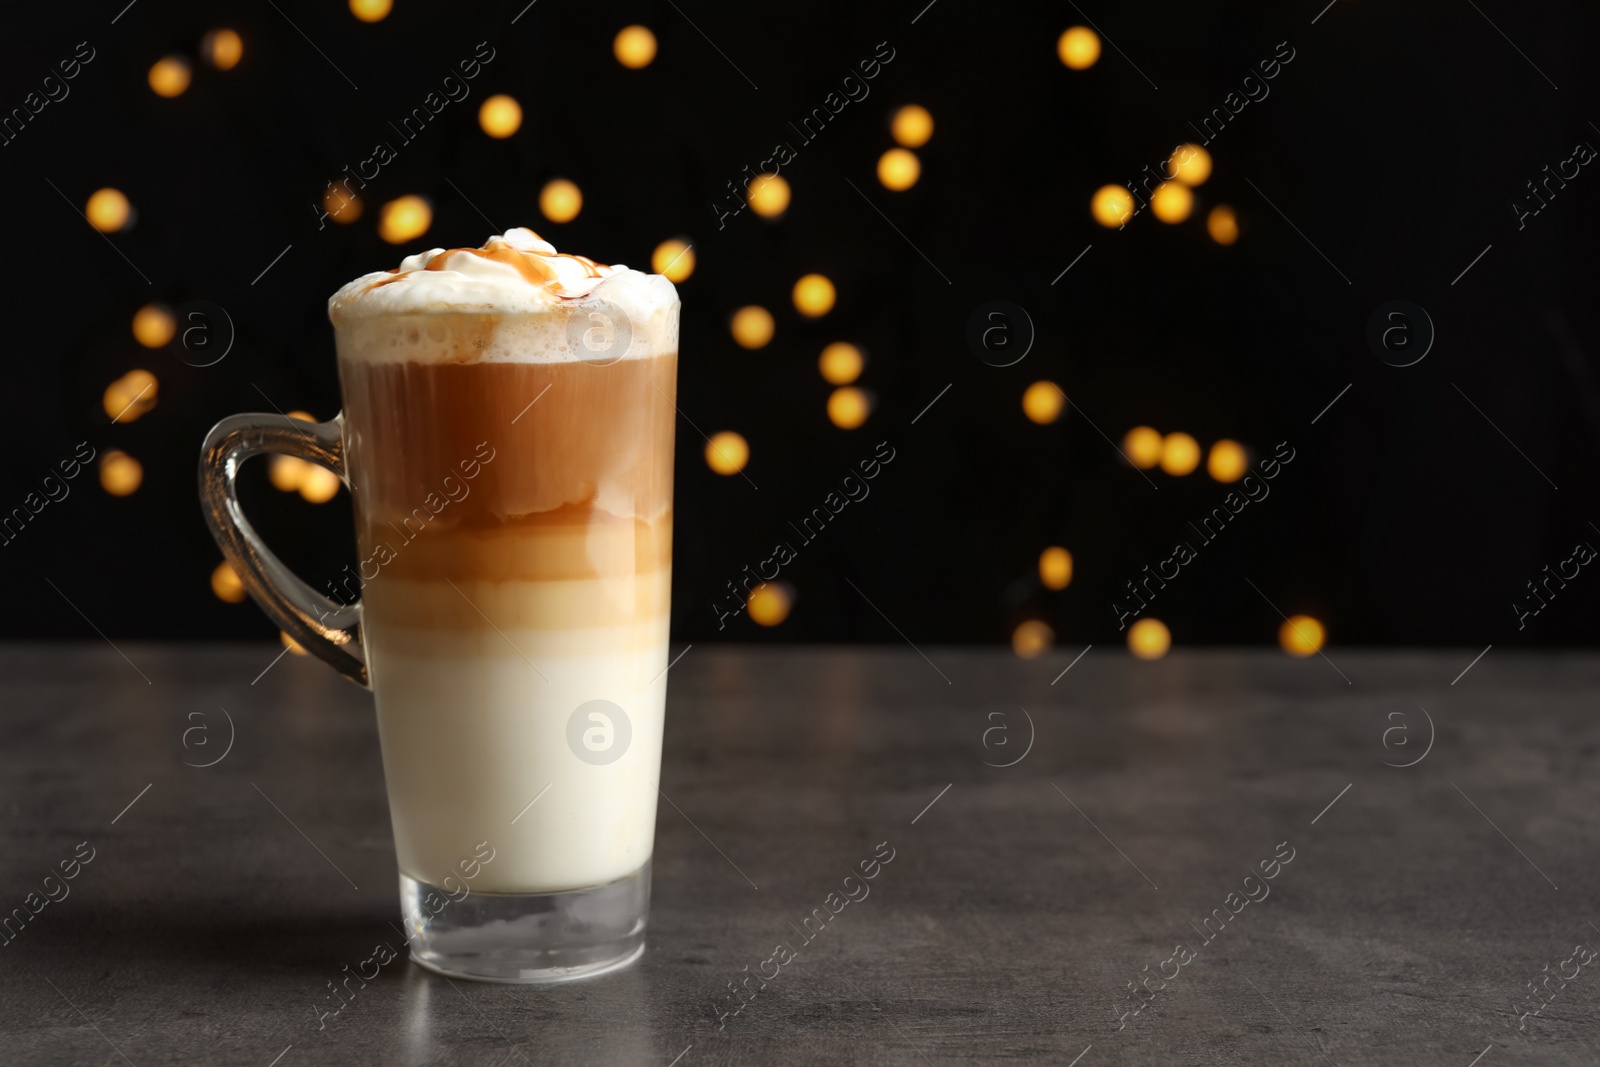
[[509, 471], [532, 548], [539, 620]]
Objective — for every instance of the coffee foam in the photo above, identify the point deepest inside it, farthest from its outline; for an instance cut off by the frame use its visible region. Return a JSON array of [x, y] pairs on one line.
[[546, 306]]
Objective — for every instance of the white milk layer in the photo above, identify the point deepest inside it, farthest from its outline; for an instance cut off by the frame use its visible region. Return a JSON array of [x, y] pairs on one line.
[[470, 741]]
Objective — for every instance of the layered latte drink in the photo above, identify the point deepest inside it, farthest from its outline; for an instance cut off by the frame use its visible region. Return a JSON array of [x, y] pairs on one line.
[[508, 432]]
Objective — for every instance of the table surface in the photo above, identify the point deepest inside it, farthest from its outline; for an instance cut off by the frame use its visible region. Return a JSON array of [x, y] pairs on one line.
[[1420, 908]]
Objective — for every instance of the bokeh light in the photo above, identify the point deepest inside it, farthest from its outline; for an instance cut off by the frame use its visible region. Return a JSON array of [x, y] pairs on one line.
[[848, 407], [1228, 461], [769, 603], [634, 47], [1079, 47], [1301, 636], [120, 473], [153, 325], [813, 295], [222, 48], [405, 219], [560, 200], [1032, 638], [108, 210], [752, 326], [1149, 639], [1190, 164], [1180, 454], [911, 126], [1172, 202], [899, 169], [287, 472], [500, 116], [674, 258], [1142, 446], [727, 452], [226, 584], [169, 76], [1042, 402], [1055, 567], [303, 416], [841, 363], [319, 484], [130, 396], [1112, 206], [1223, 225], [768, 195], [342, 206], [371, 10], [288, 642]]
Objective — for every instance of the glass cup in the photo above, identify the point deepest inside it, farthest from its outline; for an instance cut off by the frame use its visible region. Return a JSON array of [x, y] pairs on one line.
[[512, 482]]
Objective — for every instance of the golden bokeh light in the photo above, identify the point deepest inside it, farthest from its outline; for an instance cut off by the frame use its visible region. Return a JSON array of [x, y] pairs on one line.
[[768, 195], [288, 642], [560, 200], [130, 396], [1031, 638], [1172, 202], [404, 219], [674, 258], [1112, 206], [1042, 402], [303, 416], [751, 326], [899, 169], [371, 10], [1149, 639], [153, 325], [287, 472], [1079, 47], [1223, 225], [318, 484], [342, 206], [841, 363], [769, 604], [500, 116], [169, 76], [727, 452], [814, 295], [634, 47], [1228, 461], [848, 407], [120, 473], [1301, 636], [911, 126], [1142, 446], [222, 48], [1190, 164], [108, 210], [1180, 454], [226, 584], [1055, 567]]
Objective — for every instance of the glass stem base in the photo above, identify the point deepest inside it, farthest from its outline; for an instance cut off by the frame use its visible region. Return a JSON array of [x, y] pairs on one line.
[[527, 938]]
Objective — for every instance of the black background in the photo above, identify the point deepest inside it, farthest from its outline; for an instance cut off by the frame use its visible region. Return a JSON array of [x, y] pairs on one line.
[[1395, 140]]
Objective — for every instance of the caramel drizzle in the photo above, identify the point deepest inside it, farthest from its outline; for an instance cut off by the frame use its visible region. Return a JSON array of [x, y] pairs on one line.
[[528, 264]]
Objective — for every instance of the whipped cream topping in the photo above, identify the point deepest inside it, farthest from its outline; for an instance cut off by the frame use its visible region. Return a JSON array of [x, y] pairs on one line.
[[556, 307], [517, 271]]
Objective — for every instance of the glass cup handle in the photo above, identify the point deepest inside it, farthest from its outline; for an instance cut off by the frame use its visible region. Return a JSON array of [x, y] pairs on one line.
[[326, 628]]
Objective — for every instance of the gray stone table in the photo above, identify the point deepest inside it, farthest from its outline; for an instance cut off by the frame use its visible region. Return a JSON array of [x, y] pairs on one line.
[[1420, 909]]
